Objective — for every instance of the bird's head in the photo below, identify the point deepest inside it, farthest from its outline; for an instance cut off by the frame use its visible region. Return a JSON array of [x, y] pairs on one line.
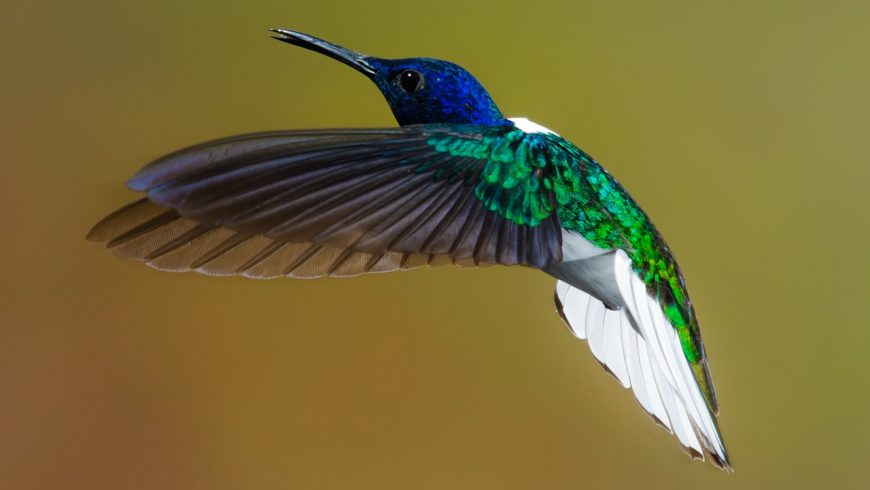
[[419, 90]]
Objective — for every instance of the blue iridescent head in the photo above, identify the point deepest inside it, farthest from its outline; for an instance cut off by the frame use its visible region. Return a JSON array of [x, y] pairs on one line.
[[419, 90]]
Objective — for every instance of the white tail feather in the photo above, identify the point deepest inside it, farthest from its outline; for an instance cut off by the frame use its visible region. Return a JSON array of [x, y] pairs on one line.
[[642, 350]]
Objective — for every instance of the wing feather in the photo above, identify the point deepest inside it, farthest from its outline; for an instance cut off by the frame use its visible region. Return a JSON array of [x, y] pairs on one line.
[[651, 387], [357, 194], [667, 356], [614, 350]]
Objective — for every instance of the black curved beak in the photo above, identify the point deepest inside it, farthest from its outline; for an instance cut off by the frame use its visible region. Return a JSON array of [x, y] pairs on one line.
[[350, 58]]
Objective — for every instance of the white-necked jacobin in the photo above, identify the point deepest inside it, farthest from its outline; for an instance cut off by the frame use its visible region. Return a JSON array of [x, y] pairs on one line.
[[456, 182]]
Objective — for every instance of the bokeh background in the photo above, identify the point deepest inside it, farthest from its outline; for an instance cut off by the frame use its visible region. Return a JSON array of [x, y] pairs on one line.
[[742, 128]]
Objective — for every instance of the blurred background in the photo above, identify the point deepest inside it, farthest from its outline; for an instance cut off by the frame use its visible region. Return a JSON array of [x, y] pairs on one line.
[[741, 128]]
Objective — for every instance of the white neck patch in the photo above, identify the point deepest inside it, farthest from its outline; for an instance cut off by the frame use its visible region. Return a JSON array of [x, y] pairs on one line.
[[529, 127]]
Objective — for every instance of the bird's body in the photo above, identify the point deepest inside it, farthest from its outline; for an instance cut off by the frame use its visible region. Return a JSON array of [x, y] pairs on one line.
[[457, 182]]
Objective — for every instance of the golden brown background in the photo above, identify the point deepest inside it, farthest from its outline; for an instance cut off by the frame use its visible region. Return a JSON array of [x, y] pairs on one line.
[[741, 128]]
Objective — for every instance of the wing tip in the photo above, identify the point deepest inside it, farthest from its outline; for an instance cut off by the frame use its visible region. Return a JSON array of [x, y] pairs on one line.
[[721, 461], [560, 310], [103, 231], [659, 422], [123, 219], [720, 457], [693, 453], [139, 181], [615, 376]]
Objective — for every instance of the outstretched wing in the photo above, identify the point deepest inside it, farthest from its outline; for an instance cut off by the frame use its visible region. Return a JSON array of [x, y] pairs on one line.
[[338, 202]]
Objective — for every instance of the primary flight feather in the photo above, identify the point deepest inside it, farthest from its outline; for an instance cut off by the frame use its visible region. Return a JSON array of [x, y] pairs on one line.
[[456, 182]]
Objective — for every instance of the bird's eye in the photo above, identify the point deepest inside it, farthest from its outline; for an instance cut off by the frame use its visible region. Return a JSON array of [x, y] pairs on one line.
[[411, 81]]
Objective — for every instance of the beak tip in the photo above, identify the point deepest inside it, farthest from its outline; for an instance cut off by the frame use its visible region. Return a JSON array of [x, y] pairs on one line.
[[346, 56], [281, 34]]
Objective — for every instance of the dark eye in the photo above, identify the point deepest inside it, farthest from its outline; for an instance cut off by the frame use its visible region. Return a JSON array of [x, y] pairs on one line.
[[411, 81]]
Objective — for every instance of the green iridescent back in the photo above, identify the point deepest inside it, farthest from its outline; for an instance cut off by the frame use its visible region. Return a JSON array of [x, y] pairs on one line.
[[526, 177]]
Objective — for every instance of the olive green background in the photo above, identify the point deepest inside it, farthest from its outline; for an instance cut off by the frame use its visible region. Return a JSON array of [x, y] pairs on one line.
[[742, 128]]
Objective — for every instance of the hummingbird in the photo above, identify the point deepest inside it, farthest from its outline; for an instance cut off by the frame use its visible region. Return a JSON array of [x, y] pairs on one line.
[[455, 183]]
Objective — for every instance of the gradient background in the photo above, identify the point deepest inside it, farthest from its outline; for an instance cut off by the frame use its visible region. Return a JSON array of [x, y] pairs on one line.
[[742, 129]]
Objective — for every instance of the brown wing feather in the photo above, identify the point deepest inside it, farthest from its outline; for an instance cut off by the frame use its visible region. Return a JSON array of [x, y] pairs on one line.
[[144, 231]]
